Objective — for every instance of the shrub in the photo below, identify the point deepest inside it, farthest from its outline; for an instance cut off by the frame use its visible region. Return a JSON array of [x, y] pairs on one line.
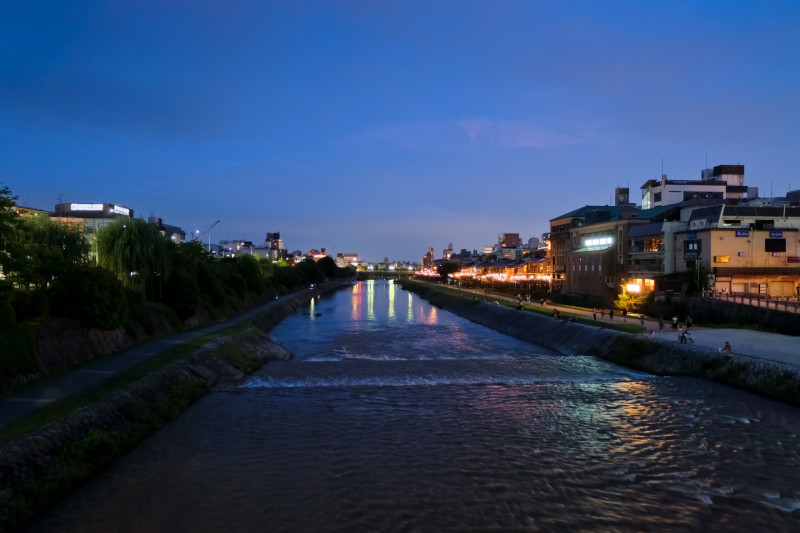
[[17, 351], [7, 314], [182, 293], [92, 295]]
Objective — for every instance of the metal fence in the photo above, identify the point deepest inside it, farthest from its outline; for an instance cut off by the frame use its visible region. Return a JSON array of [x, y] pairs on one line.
[[788, 304]]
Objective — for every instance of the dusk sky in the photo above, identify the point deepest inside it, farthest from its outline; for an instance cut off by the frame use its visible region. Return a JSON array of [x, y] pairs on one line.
[[383, 128]]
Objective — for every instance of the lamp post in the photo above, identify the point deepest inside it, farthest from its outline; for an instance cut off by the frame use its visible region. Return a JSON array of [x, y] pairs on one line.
[[197, 232]]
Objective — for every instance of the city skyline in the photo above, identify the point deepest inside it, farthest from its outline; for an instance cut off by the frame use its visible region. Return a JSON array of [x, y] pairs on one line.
[[386, 129]]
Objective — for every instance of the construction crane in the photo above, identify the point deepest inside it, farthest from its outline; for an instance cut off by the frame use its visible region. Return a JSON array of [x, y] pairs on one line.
[[207, 231]]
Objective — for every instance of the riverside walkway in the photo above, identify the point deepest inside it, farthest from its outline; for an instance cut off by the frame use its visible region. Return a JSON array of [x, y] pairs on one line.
[[752, 344], [50, 390]]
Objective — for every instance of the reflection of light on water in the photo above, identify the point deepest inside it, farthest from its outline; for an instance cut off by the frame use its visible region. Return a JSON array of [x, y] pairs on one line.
[[355, 302], [311, 308], [433, 317], [391, 301], [410, 317], [371, 300]]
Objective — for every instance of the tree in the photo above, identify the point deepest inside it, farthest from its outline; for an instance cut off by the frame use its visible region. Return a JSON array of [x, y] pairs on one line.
[[329, 268], [42, 250], [91, 295], [445, 269], [136, 252], [8, 223]]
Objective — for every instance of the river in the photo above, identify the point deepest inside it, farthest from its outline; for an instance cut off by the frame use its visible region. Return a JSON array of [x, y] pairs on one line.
[[398, 416]]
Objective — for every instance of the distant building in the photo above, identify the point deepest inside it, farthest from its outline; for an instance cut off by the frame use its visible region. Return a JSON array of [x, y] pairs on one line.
[[90, 218], [428, 259], [447, 253], [274, 244], [720, 183], [316, 255], [344, 260], [174, 233]]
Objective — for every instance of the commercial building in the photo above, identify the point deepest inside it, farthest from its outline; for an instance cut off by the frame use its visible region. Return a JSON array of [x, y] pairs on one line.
[[90, 218], [747, 250]]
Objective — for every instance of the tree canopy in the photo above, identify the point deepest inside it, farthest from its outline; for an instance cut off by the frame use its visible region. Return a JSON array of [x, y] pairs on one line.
[[8, 223], [136, 252]]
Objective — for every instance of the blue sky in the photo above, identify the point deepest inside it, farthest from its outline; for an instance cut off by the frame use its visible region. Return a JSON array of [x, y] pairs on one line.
[[383, 128]]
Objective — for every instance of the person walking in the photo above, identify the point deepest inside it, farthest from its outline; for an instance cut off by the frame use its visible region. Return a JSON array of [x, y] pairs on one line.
[[625, 315], [611, 313], [675, 322], [660, 323], [594, 313]]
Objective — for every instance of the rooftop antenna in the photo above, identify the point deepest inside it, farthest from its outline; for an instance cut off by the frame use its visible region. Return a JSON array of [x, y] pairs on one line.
[[60, 198]]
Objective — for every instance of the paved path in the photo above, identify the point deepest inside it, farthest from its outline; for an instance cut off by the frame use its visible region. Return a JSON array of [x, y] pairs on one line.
[[783, 349], [25, 401]]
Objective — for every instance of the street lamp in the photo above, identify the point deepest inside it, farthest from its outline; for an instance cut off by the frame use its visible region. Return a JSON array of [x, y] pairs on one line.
[[197, 232]]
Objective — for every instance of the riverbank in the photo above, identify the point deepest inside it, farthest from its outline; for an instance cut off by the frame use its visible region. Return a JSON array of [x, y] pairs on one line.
[[39, 467], [769, 378]]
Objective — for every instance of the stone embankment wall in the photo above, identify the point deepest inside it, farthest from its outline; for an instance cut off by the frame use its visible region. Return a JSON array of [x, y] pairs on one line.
[[656, 357], [38, 468]]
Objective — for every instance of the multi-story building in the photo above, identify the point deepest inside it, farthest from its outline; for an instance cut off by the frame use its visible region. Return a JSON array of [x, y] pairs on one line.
[[719, 183], [748, 250], [343, 260], [274, 245], [447, 253], [90, 218], [428, 259], [590, 246]]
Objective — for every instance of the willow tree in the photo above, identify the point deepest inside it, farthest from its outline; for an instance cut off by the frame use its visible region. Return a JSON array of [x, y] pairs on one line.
[[136, 252]]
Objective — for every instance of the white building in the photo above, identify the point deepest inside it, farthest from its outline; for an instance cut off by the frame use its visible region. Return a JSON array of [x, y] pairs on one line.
[[718, 183]]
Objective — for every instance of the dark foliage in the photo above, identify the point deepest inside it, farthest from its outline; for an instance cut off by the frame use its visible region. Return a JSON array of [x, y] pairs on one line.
[[90, 294]]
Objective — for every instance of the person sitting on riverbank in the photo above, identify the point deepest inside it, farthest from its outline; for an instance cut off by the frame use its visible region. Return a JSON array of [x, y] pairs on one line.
[[726, 349]]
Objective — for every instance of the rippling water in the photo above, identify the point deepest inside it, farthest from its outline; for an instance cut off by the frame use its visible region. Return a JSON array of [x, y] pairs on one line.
[[396, 416]]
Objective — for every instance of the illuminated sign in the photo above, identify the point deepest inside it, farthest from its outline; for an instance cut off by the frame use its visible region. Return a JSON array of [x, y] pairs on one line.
[[742, 233], [776, 234], [85, 207], [121, 210], [792, 259], [600, 241], [632, 287]]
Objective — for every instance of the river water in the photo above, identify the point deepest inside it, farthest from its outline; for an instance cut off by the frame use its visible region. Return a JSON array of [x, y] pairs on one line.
[[397, 416]]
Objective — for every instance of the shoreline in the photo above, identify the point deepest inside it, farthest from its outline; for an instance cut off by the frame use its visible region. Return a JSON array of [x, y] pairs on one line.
[[773, 379]]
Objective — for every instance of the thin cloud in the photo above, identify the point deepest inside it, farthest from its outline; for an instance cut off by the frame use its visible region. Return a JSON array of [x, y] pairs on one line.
[[513, 135], [481, 132]]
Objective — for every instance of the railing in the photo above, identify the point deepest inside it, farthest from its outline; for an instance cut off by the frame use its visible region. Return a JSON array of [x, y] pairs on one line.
[[789, 304]]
